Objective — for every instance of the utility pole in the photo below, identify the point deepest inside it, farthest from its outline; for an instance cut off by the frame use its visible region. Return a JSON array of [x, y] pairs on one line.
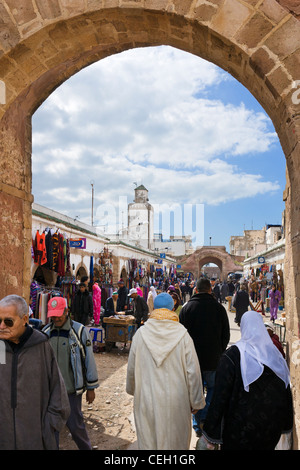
[[92, 184]]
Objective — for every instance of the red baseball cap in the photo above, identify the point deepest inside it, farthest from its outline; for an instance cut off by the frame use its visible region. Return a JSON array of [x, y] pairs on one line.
[[56, 306]]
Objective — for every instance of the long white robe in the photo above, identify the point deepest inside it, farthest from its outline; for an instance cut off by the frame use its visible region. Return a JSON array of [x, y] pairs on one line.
[[164, 376]]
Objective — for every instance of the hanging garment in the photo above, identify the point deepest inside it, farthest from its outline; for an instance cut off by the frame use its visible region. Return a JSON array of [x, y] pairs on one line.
[[33, 249], [68, 262], [43, 307], [49, 250], [65, 254], [40, 243], [34, 289], [104, 295], [55, 244], [92, 268], [60, 267], [96, 303]]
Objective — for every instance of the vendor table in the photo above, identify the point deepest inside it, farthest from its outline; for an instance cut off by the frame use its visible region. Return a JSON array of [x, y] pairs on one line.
[[119, 329]]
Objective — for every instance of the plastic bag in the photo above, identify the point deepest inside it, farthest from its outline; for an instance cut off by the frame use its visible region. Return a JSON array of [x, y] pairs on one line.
[[203, 444], [285, 442]]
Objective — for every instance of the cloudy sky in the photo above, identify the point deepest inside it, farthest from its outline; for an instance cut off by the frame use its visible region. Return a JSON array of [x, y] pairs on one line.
[[179, 125]]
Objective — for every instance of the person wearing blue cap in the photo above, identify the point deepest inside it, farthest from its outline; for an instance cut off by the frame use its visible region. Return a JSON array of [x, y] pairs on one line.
[[163, 375]]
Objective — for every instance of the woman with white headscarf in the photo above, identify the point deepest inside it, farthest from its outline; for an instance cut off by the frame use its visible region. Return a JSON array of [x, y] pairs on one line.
[[252, 402]]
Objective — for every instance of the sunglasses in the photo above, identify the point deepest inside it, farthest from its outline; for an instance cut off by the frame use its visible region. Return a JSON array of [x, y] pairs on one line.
[[7, 322]]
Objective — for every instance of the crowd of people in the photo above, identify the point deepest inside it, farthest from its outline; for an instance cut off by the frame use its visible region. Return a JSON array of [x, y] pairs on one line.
[[181, 371], [243, 399]]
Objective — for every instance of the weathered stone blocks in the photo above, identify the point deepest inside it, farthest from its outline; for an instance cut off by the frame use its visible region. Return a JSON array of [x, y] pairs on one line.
[[254, 31]]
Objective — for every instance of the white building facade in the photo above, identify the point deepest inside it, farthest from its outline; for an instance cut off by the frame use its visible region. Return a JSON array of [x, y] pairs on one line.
[[141, 219], [268, 261], [112, 259]]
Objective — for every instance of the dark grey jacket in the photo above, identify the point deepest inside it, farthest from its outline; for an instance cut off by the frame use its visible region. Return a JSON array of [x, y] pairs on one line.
[[207, 323], [140, 309], [82, 307], [241, 303], [33, 398]]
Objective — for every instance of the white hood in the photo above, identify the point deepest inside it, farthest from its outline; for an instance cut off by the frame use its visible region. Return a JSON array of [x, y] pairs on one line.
[[161, 337]]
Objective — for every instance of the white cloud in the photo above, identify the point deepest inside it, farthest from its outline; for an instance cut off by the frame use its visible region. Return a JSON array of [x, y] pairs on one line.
[[146, 116]]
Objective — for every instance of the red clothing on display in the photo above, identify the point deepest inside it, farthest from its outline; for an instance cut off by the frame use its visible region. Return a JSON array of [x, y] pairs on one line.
[[40, 248]]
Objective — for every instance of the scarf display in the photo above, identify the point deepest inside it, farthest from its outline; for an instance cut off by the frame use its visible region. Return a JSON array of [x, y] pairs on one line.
[[52, 251]]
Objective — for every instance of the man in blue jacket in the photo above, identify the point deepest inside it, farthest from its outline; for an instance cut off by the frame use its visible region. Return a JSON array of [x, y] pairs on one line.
[[73, 348]]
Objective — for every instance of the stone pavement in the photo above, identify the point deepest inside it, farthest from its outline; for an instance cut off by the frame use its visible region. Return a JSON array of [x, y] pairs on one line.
[[234, 337]]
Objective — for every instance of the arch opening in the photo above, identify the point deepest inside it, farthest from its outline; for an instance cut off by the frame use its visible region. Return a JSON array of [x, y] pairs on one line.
[[34, 64]]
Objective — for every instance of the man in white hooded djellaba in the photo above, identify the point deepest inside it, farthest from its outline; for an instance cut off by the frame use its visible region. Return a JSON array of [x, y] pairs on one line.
[[164, 376]]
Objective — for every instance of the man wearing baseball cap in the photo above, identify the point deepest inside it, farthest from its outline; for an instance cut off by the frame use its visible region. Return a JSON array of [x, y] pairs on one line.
[[140, 307], [72, 345]]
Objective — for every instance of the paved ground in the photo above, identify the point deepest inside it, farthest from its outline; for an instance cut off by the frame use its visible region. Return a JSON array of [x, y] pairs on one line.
[[235, 333]]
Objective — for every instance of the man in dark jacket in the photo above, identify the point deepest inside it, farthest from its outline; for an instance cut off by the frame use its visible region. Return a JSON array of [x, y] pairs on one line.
[[207, 323], [217, 292], [224, 291], [241, 303], [231, 288], [82, 307], [112, 307], [122, 295], [140, 307]]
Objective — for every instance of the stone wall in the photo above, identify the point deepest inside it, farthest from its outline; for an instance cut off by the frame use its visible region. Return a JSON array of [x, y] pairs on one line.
[[292, 6]]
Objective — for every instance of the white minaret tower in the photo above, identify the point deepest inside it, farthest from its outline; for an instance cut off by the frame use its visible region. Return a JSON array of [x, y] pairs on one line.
[[141, 219]]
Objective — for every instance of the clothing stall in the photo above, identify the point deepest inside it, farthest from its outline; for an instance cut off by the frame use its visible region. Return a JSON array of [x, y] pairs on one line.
[[40, 296], [51, 249]]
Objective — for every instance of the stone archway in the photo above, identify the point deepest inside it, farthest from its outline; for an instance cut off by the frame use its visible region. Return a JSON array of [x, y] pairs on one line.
[[212, 254], [212, 260], [123, 275], [81, 270], [44, 42]]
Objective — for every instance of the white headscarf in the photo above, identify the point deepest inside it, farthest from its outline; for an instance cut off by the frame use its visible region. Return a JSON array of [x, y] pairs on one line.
[[153, 291], [257, 349]]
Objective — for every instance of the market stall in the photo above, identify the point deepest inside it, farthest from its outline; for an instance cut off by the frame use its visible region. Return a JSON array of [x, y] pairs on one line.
[[119, 328]]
